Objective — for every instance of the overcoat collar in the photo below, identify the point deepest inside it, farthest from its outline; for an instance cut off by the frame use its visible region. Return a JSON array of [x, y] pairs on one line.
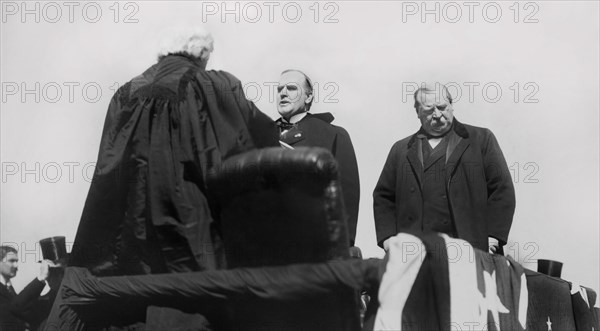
[[457, 144]]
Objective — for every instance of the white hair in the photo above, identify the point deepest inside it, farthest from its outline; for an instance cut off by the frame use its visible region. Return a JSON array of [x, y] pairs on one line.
[[440, 90], [193, 41]]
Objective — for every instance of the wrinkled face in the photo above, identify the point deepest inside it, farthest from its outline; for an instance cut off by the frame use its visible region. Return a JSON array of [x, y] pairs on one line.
[[9, 266], [292, 94], [435, 113]]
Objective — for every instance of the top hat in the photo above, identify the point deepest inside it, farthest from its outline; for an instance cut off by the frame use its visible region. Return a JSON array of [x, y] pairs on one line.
[[550, 267], [54, 248]]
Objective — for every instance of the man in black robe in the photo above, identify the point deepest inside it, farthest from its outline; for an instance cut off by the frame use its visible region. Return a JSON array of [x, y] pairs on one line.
[[148, 209]]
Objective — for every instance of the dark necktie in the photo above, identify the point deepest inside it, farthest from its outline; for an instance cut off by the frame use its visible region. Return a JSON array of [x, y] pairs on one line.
[[11, 291], [284, 125]]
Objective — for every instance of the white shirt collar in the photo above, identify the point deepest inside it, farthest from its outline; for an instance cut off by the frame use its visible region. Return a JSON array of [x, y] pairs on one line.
[[295, 118], [4, 281]]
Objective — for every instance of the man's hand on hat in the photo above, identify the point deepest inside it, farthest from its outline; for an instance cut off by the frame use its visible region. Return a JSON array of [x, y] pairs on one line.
[[45, 269]]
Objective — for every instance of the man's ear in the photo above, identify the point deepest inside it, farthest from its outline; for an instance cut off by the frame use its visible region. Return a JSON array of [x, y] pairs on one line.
[[308, 99]]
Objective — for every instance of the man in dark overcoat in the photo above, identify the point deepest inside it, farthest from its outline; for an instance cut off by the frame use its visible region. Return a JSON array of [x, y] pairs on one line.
[[448, 177], [28, 309], [9, 266], [298, 128]]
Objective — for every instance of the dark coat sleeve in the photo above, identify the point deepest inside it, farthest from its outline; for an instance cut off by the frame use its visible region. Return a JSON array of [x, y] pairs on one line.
[[346, 158], [262, 128], [500, 189], [384, 198], [23, 305]]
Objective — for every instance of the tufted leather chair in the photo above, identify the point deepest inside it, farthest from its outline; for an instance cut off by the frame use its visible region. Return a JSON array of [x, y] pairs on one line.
[[277, 206]]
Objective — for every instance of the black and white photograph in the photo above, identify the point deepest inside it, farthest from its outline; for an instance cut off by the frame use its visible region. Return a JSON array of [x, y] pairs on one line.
[[300, 165]]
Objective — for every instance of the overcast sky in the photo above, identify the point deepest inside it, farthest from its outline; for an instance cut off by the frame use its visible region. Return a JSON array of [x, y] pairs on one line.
[[528, 71]]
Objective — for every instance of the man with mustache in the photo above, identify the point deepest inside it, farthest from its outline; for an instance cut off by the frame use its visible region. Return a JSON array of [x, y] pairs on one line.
[[448, 177], [26, 310], [298, 127]]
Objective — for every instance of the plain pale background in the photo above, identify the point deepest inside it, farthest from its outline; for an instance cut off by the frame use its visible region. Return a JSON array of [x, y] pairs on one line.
[[364, 65]]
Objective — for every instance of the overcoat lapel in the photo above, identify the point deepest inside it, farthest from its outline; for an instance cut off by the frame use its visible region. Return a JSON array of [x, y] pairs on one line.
[[415, 157], [456, 147]]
